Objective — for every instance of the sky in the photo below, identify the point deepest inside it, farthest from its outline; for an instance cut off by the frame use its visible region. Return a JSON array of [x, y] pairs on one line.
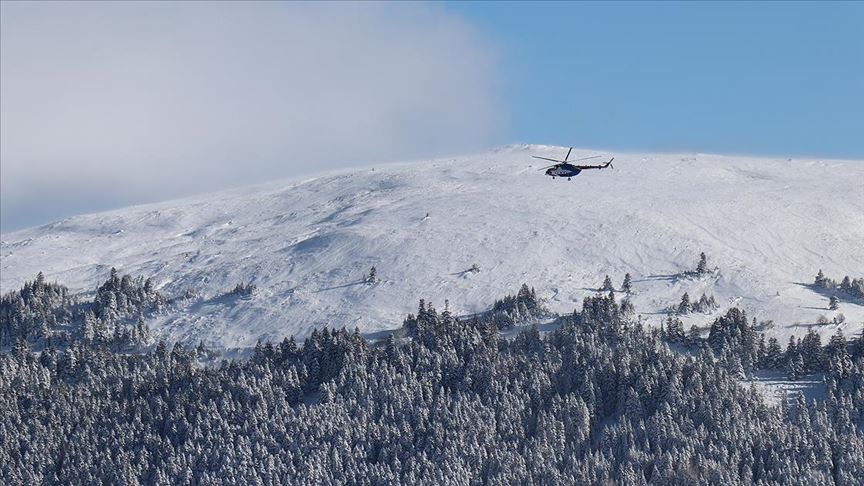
[[768, 78], [107, 104]]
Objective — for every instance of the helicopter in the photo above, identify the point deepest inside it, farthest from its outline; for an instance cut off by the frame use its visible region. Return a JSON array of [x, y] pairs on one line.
[[564, 168]]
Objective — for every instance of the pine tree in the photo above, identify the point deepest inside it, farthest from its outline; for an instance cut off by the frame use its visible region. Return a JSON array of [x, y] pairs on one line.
[[761, 352], [607, 284], [627, 308], [674, 330], [694, 336], [525, 297], [859, 346], [794, 366], [837, 354], [142, 332], [372, 277], [626, 286], [702, 266], [735, 366], [833, 303], [88, 327], [820, 280], [445, 316], [791, 347], [21, 350], [773, 353], [811, 351], [857, 289], [684, 305]]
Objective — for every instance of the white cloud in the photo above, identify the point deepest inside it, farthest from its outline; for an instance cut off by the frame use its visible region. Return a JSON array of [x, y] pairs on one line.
[[110, 103]]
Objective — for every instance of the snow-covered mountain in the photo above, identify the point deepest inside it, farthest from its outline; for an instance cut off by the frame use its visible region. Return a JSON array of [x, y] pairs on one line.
[[766, 224]]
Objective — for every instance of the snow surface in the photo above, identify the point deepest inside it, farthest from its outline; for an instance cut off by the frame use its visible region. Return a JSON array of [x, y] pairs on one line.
[[776, 387], [767, 224]]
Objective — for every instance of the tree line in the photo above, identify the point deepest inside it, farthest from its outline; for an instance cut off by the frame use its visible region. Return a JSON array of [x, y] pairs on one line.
[[601, 399]]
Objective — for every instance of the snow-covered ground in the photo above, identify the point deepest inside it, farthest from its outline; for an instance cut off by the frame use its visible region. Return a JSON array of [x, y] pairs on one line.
[[776, 386], [767, 224]]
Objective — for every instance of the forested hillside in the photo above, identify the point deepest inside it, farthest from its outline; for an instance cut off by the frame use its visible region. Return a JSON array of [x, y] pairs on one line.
[[599, 399]]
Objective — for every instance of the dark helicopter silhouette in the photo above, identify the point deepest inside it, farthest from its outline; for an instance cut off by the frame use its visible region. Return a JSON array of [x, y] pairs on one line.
[[563, 168]]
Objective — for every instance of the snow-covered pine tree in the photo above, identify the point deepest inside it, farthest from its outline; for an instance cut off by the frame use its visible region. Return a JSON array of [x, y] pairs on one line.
[[857, 288], [526, 297], [626, 286], [702, 265], [859, 346], [773, 354], [372, 277], [702, 305], [674, 330], [607, 284], [811, 351], [820, 280], [627, 309], [794, 366], [694, 336], [684, 306], [837, 354]]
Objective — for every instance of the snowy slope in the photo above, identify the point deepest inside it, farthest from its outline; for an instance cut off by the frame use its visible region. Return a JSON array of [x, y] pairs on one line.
[[768, 224]]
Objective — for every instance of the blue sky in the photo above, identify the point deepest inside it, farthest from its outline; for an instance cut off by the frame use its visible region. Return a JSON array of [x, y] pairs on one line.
[[769, 78]]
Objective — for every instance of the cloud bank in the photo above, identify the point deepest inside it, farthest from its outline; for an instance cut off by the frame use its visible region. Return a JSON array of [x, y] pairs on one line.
[[111, 103]]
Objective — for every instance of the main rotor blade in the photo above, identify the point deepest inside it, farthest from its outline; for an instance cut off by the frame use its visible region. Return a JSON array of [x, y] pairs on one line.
[[568, 154], [586, 158], [546, 158]]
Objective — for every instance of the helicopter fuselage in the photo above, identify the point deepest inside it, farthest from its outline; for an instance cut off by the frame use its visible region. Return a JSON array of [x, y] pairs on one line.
[[563, 170]]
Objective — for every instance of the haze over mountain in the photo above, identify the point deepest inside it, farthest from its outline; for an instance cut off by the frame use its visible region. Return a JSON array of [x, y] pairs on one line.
[[766, 224]]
